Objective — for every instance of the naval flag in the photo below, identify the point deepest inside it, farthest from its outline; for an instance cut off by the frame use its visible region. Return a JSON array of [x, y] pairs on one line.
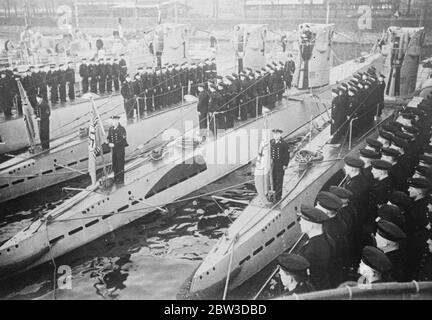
[[27, 114], [95, 142]]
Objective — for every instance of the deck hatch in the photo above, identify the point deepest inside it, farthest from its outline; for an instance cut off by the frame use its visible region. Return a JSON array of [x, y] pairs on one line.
[[75, 230], [91, 223]]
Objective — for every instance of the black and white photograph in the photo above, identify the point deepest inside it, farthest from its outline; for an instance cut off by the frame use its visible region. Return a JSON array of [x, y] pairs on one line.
[[246, 152]]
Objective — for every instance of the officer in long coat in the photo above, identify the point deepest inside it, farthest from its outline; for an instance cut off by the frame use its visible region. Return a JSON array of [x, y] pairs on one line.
[[279, 152], [117, 142], [53, 82], [61, 74], [43, 113]]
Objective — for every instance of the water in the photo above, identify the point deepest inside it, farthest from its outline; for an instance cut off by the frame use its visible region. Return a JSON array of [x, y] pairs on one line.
[[148, 259]]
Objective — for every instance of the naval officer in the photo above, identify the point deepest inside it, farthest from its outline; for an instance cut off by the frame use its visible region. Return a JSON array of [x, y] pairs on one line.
[[280, 159], [117, 142]]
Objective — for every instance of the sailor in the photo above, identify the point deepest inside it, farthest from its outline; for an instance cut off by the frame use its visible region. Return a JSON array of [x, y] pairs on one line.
[[252, 95], [279, 152], [357, 184], [243, 97], [272, 87], [117, 142], [214, 105], [230, 94], [109, 75], [389, 239], [379, 192], [367, 155], [289, 70], [396, 172], [43, 113], [70, 78], [293, 274], [418, 223], [116, 75], [348, 214], [84, 74], [43, 83], [101, 76], [61, 73], [15, 77], [123, 68], [338, 114], [32, 86], [203, 108], [336, 230], [138, 91], [93, 74], [424, 271], [317, 249], [5, 100], [127, 91], [53, 82], [374, 266]]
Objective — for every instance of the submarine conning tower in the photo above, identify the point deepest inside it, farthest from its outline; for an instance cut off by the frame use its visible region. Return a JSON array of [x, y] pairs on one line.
[[402, 49], [314, 55], [250, 45], [171, 43]]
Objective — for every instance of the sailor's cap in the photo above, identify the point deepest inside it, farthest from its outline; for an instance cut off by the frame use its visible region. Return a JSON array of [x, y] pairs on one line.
[[374, 143], [312, 214], [376, 259], [390, 231], [277, 131], [354, 162], [392, 214], [408, 115], [340, 192], [419, 183], [369, 154], [401, 142], [293, 262], [385, 135], [381, 165], [426, 159], [382, 76], [329, 201], [400, 199], [335, 91], [115, 117], [390, 152], [389, 128]]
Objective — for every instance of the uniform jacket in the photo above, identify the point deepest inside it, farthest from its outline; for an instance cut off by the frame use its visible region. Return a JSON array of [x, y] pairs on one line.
[[203, 102], [279, 152], [117, 136], [43, 110]]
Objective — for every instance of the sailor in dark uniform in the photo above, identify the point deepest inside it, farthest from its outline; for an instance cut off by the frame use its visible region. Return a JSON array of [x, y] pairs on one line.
[[202, 108], [336, 230], [243, 97], [101, 72], [374, 266], [424, 272], [61, 73], [53, 82], [279, 153], [379, 193], [367, 155], [338, 114], [116, 75], [43, 83], [117, 142], [214, 105], [389, 239], [43, 113], [380, 94], [357, 184], [123, 68], [127, 91], [84, 74], [109, 75], [92, 70], [317, 249], [396, 172], [417, 220], [293, 274], [70, 78]]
